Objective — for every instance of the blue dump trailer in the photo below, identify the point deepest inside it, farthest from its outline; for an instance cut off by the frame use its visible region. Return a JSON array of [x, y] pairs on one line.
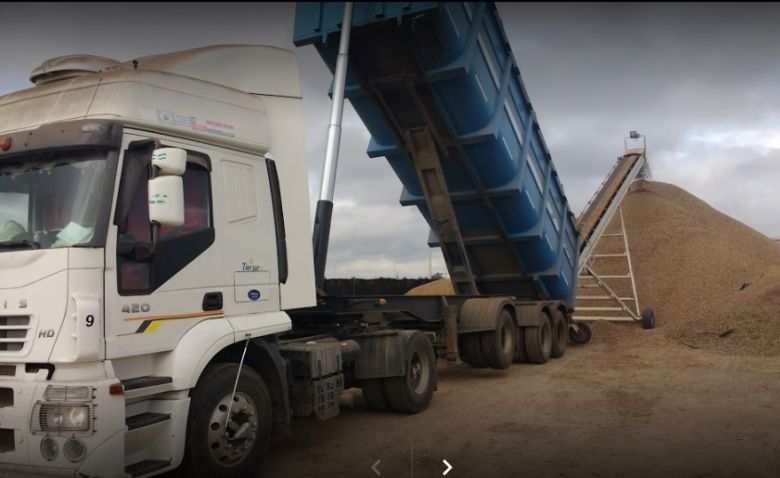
[[438, 88], [439, 79]]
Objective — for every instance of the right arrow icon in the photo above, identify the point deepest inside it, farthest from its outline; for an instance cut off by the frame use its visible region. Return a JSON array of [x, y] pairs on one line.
[[449, 467]]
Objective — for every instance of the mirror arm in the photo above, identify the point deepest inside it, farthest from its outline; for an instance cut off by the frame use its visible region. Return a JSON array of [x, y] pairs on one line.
[[155, 236], [143, 251]]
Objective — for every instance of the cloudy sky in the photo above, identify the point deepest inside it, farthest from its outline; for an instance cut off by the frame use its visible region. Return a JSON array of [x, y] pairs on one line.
[[699, 80]]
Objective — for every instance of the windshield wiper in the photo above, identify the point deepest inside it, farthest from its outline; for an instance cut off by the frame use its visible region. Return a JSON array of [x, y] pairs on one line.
[[21, 243]]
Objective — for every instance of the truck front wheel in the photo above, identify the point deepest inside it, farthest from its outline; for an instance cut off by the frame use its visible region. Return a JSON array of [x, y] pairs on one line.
[[227, 434]]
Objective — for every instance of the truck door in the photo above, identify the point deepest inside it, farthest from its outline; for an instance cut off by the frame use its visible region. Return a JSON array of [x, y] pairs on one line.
[[218, 263]]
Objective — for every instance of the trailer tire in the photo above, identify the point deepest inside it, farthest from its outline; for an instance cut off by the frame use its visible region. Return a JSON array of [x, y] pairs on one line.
[[412, 392], [472, 350], [521, 356], [538, 340], [560, 334], [648, 318], [374, 394], [498, 346], [207, 452], [583, 336]]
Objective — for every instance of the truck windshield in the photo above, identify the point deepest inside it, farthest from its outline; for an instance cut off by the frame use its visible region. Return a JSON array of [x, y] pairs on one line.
[[50, 200]]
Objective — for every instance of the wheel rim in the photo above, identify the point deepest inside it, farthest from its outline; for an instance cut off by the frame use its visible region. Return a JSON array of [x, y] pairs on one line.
[[419, 373], [231, 446], [507, 345]]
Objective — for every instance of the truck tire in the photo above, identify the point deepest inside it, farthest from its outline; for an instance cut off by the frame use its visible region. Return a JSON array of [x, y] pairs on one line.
[[208, 452], [583, 336], [471, 347], [538, 340], [648, 318], [498, 346], [560, 334], [374, 394], [412, 392], [521, 356]]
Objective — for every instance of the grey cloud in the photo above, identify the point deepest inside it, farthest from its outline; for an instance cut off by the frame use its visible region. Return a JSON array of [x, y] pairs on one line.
[[593, 72]]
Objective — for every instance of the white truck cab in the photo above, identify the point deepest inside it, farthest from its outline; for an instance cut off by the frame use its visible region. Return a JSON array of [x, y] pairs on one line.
[[109, 320], [158, 294]]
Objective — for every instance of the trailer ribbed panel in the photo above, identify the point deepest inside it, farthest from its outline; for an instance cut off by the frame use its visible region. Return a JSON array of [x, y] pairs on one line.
[[445, 72]]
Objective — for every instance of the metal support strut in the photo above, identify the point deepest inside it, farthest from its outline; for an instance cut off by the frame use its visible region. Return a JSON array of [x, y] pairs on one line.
[[235, 384], [624, 308], [324, 210]]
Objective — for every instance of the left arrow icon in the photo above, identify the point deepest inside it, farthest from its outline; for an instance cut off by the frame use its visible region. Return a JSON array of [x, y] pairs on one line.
[[375, 468]]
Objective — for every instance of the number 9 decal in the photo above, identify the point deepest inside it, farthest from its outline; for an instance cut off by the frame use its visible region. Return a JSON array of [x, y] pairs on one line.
[[90, 320]]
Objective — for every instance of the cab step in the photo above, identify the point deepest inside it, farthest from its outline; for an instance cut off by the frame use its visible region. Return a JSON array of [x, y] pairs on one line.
[[145, 419], [147, 385], [143, 382], [145, 467]]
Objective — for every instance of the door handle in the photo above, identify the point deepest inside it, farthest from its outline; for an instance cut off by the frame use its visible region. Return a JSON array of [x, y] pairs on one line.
[[212, 301]]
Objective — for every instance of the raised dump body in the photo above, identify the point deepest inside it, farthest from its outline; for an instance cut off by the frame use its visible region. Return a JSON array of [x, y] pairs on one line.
[[437, 86]]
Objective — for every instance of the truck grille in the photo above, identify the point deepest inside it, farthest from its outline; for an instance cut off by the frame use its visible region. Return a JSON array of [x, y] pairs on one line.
[[13, 332]]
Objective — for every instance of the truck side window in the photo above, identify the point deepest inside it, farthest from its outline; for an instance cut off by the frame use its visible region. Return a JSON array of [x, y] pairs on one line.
[[197, 208], [177, 246]]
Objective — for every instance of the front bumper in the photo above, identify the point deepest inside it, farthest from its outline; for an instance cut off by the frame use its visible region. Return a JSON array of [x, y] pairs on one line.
[[20, 446]]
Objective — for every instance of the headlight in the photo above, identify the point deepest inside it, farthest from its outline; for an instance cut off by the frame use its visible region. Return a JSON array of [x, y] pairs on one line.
[[66, 417], [67, 394]]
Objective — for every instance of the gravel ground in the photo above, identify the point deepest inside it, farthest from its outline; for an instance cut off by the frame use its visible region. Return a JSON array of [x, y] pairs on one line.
[[612, 408]]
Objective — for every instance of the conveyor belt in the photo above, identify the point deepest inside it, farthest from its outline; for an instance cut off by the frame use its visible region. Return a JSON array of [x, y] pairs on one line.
[[602, 207]]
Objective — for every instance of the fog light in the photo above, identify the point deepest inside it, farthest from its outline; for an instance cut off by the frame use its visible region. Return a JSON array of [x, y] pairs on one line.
[[74, 450], [49, 448]]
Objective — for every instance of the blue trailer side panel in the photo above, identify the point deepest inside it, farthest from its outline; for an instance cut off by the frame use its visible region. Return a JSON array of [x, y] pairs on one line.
[[448, 67]]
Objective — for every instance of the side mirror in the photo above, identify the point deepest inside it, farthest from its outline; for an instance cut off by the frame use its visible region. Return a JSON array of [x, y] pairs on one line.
[[166, 200], [169, 161], [166, 188]]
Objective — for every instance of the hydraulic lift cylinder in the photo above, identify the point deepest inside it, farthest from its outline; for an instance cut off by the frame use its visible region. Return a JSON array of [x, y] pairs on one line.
[[324, 210]]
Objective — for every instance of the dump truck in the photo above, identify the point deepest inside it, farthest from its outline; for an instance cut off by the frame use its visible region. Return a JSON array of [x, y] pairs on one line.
[[158, 267]]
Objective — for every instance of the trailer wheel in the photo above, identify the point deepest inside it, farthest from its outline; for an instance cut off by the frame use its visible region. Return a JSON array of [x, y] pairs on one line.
[[412, 392], [471, 346], [211, 448], [648, 319], [498, 346], [374, 393], [521, 356], [583, 336], [560, 334], [538, 340]]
